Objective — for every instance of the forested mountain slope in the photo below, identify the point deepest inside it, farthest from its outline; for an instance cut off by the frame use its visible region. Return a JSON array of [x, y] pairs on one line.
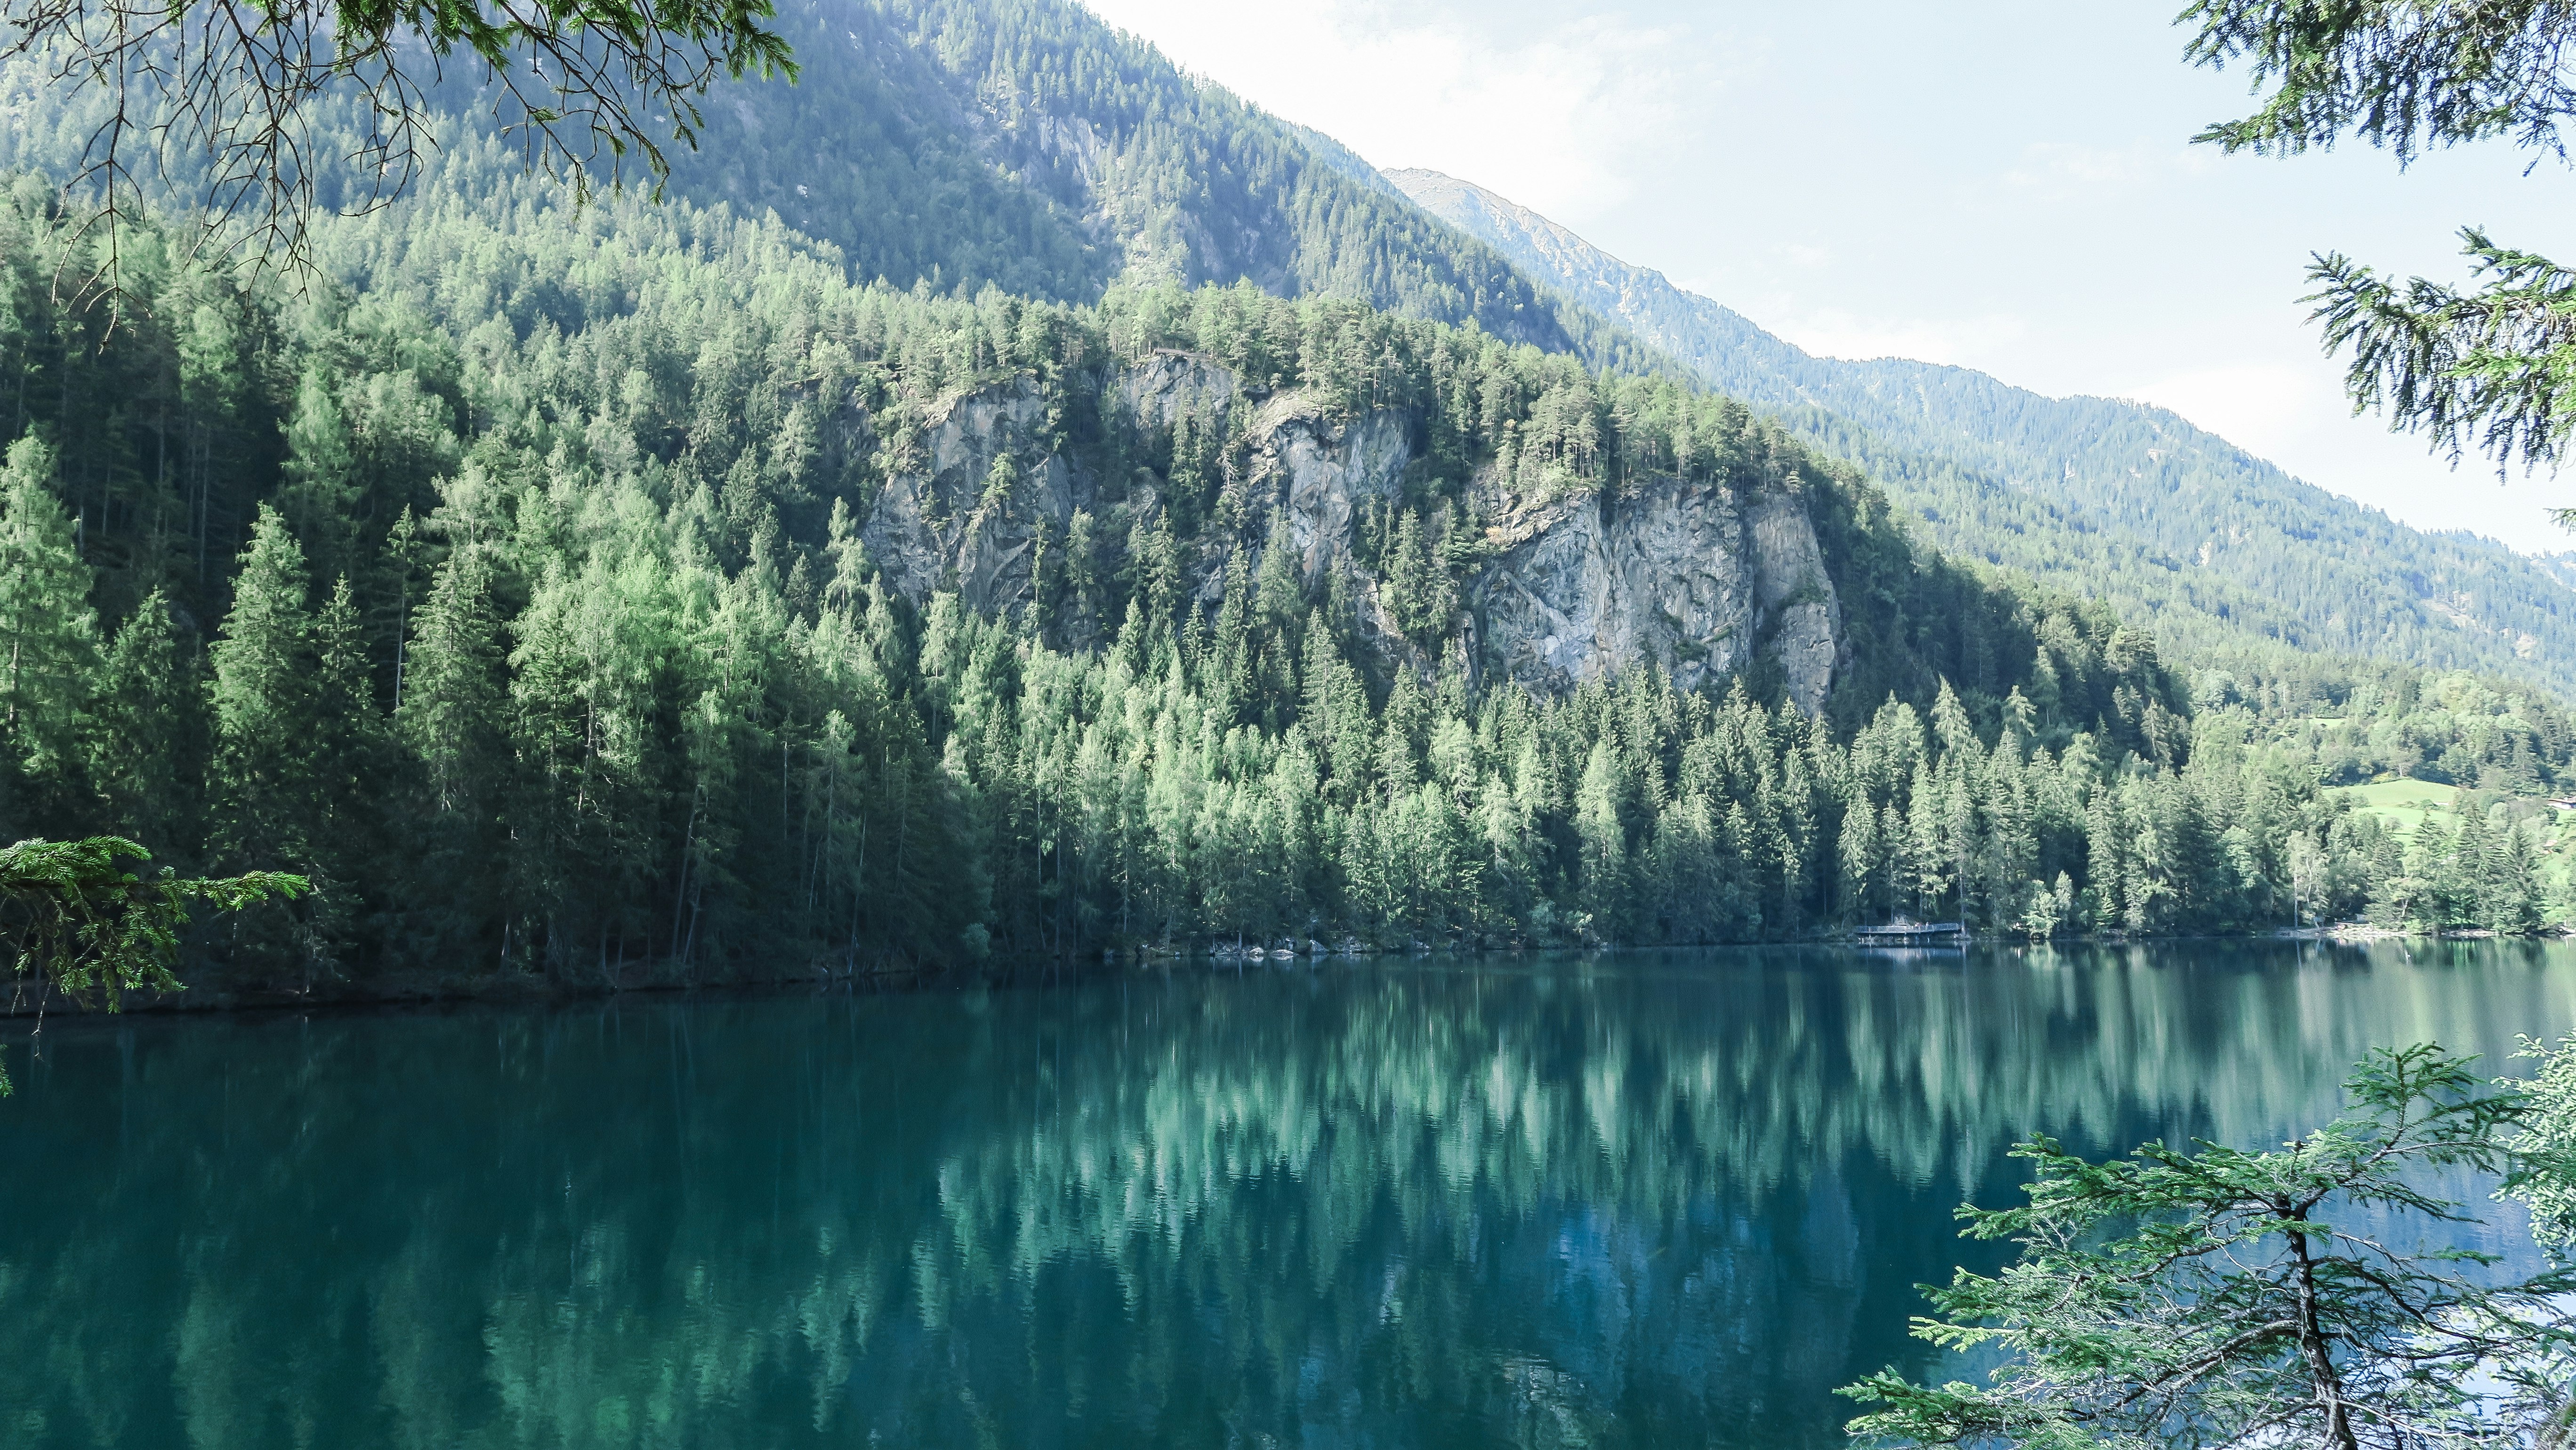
[[2117, 501], [1025, 145], [644, 593], [1021, 144], [565, 590]]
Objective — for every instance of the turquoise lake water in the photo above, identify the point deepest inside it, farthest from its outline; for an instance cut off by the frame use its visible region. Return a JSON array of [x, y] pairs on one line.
[[1630, 1199]]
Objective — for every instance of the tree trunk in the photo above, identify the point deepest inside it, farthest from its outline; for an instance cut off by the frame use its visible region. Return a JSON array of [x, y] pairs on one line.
[[2327, 1380]]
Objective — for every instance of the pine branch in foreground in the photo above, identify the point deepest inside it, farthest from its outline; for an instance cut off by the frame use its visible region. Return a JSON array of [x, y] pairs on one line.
[[2214, 1297], [73, 915]]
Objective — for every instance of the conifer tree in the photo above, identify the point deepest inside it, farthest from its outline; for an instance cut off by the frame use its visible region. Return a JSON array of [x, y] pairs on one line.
[[2516, 891], [347, 739], [147, 741], [261, 692], [1856, 854], [1597, 805], [451, 725], [48, 640], [318, 496], [1279, 592], [2209, 1296], [452, 697]]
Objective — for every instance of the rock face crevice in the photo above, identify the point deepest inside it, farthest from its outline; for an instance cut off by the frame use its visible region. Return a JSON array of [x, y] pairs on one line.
[[1702, 579], [1689, 576], [941, 524], [1321, 475]]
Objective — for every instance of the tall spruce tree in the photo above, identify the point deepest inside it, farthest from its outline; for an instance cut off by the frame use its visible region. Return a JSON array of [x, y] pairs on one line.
[[48, 643], [452, 723], [261, 691], [147, 742], [318, 493], [348, 768]]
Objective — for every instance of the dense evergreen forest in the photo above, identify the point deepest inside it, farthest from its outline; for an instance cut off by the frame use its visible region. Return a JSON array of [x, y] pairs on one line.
[[510, 585], [1026, 145], [1021, 144]]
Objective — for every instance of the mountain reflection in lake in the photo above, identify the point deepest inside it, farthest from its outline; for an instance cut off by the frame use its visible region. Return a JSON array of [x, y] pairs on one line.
[[1633, 1199]]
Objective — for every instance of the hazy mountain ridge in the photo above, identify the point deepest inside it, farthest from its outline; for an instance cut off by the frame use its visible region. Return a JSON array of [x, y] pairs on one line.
[[2119, 500], [1116, 165]]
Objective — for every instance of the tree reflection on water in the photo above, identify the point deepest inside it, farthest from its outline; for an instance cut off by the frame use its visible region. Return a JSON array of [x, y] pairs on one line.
[[1633, 1199]]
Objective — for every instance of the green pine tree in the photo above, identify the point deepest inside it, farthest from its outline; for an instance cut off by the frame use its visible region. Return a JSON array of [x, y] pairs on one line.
[[48, 643], [261, 693], [146, 748]]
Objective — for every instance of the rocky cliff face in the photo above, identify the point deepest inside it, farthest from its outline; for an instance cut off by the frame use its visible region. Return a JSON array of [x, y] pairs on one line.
[[1688, 576], [1699, 578], [946, 522]]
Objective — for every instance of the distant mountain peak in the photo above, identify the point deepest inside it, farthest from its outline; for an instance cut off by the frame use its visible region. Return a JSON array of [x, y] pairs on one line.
[[1491, 216], [1440, 193]]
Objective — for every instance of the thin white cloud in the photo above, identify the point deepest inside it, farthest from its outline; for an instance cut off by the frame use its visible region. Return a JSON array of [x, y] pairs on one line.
[[2264, 407], [1564, 115], [2058, 165]]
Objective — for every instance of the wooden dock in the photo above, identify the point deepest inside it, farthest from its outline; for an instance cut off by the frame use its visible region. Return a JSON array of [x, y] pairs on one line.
[[1913, 934]]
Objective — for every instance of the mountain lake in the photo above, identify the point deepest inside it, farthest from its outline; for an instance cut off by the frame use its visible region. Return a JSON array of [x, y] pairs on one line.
[[1627, 1199]]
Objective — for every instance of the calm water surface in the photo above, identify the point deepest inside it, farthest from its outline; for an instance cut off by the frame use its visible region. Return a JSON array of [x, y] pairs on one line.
[[1643, 1199]]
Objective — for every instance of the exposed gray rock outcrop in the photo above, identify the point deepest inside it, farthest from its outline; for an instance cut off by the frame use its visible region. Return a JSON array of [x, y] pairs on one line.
[[944, 524], [1322, 474], [1698, 578], [1157, 392], [1688, 576]]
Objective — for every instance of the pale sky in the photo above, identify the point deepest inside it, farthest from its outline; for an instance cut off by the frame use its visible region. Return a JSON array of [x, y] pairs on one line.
[[2006, 185]]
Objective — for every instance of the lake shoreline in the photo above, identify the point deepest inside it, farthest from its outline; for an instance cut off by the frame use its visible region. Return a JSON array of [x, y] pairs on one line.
[[529, 990]]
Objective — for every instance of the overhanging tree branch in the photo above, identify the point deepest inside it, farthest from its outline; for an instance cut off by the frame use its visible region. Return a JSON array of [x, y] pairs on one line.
[[2400, 74], [2204, 1298], [2483, 372], [227, 92], [73, 916], [2480, 371]]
